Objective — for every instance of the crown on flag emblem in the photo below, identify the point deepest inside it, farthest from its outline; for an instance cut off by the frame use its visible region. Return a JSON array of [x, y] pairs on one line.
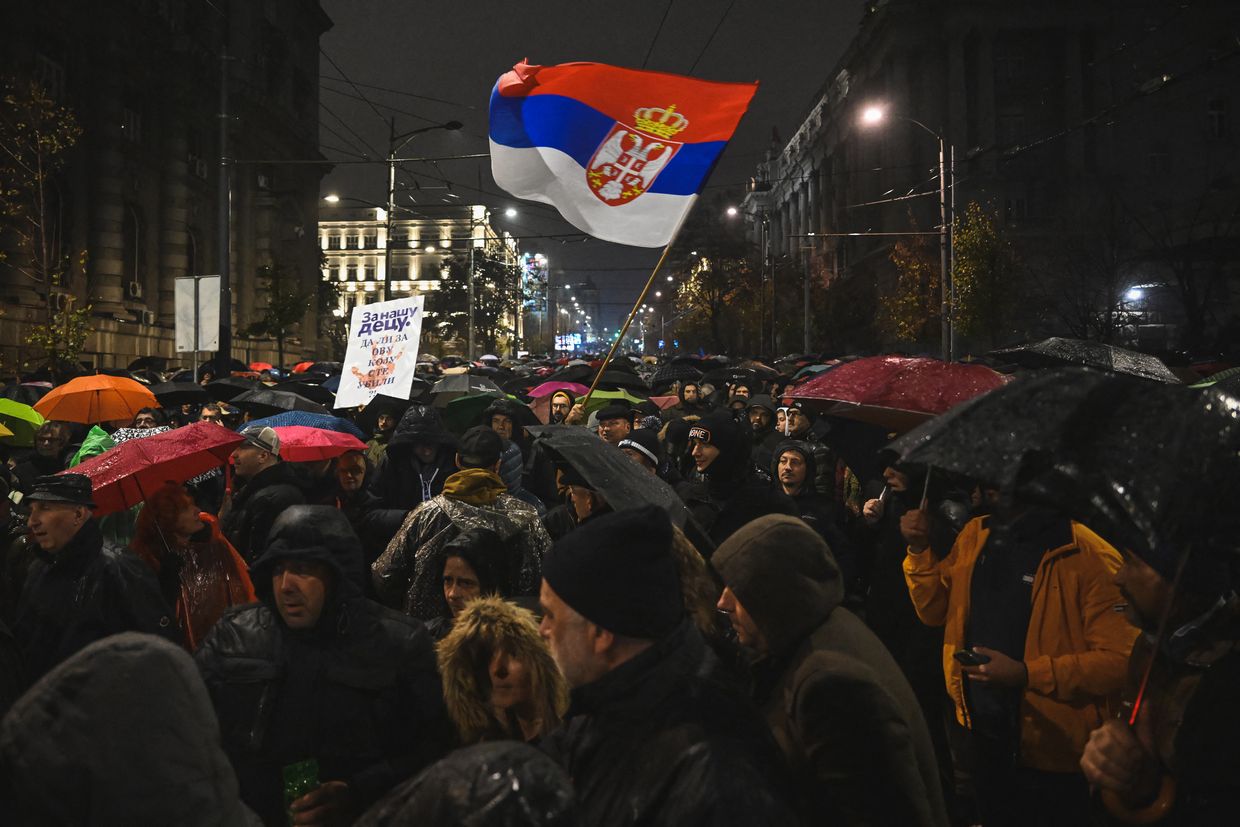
[[661, 122]]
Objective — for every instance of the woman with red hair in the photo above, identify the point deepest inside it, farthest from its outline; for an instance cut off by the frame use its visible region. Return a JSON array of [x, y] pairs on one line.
[[199, 571]]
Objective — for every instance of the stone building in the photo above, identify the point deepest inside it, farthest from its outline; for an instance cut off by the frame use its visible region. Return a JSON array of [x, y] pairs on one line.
[[1083, 127], [140, 188]]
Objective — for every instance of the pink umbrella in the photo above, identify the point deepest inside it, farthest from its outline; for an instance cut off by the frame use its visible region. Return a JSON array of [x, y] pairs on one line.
[[665, 402], [548, 388], [299, 443], [896, 392]]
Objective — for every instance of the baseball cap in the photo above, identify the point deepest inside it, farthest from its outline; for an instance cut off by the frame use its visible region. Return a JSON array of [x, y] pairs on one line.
[[265, 439]]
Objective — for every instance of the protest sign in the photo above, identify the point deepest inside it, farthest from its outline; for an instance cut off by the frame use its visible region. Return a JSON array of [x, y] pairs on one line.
[[382, 352]]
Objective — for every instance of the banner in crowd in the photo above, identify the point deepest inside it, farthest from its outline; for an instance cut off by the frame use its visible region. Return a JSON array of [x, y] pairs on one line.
[[621, 153], [382, 351], [196, 305]]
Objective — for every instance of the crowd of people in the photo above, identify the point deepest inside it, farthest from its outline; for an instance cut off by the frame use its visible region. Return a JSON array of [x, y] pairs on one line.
[[464, 625]]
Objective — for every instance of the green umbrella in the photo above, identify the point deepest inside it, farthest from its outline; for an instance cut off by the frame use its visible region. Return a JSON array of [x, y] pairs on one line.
[[22, 420], [463, 413], [600, 399], [1215, 378]]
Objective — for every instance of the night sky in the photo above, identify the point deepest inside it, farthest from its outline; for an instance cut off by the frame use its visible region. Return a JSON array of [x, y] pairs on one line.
[[440, 58]]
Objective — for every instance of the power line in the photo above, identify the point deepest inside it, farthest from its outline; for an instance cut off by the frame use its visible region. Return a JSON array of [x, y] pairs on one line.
[[374, 153], [469, 107], [711, 39], [657, 32], [336, 66]]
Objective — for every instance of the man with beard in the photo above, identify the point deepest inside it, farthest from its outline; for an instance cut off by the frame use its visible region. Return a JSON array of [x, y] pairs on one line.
[[648, 738], [795, 421], [793, 469], [1177, 766], [761, 416], [385, 426], [561, 404], [691, 402]]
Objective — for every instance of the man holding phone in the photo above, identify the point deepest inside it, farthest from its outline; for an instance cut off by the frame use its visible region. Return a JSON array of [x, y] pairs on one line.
[[1035, 645]]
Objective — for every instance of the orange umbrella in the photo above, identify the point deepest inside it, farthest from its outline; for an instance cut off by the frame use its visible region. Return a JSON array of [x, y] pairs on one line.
[[92, 399], [302, 367]]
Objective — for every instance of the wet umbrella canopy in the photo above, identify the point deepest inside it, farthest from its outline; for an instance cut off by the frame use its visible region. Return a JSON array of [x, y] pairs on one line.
[[460, 384], [326, 422], [620, 481], [1059, 352], [230, 387], [270, 402], [174, 394], [1148, 465]]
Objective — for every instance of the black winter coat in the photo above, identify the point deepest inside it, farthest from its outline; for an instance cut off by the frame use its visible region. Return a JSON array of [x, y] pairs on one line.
[[653, 742], [83, 593], [359, 693], [256, 505], [401, 480]]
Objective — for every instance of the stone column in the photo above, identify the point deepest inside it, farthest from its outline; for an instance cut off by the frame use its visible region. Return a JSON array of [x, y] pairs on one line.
[[105, 160]]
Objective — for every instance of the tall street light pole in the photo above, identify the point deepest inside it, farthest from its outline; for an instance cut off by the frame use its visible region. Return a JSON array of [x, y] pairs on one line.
[[875, 115], [393, 149]]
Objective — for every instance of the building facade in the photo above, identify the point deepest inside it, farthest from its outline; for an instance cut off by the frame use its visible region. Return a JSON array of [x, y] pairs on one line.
[[139, 192], [1082, 128]]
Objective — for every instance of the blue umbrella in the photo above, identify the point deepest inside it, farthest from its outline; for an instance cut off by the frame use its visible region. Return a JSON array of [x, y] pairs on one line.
[[310, 420]]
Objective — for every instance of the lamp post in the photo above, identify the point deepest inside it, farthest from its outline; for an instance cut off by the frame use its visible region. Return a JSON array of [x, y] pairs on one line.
[[874, 115], [393, 149]]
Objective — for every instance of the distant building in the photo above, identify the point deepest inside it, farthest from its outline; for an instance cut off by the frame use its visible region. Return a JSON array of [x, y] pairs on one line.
[[1080, 125], [354, 242], [140, 188]]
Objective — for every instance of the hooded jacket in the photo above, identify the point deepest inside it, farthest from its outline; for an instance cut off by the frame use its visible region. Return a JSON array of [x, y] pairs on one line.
[[401, 480], [407, 574], [121, 733], [358, 693], [1076, 647], [256, 505], [501, 784], [82, 593], [654, 742], [846, 719], [816, 510], [485, 626]]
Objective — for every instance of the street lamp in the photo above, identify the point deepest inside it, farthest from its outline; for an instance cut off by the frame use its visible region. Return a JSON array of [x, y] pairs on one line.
[[874, 115], [393, 148]]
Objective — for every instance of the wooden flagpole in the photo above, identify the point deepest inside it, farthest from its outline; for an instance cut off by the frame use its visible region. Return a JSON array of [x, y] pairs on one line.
[[585, 400]]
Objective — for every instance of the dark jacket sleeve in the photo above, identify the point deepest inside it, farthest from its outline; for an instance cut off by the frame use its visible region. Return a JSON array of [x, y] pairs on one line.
[[264, 509]]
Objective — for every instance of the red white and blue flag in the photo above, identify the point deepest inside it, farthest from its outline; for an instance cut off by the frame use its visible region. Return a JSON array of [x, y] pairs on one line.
[[621, 153]]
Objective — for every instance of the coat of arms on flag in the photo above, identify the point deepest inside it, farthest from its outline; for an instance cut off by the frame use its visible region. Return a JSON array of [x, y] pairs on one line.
[[621, 153], [631, 157]]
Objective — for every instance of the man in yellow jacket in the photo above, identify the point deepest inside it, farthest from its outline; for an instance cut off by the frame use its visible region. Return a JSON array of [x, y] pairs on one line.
[[1034, 650]]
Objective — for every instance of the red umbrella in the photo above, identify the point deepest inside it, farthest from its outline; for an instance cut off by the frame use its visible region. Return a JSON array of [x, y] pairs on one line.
[[299, 443], [302, 367], [261, 366], [896, 392], [123, 475]]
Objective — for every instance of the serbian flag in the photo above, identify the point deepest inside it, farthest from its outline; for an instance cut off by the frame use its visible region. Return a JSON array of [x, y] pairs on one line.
[[621, 153]]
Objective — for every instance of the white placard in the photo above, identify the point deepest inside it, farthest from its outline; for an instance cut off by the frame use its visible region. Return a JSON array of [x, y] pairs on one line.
[[382, 353], [208, 301]]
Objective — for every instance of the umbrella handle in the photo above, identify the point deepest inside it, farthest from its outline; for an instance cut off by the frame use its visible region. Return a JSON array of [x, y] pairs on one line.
[[925, 491]]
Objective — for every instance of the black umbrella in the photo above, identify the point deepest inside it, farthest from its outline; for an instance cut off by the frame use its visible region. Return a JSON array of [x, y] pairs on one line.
[[24, 393], [461, 384], [158, 363], [621, 482], [1060, 352], [622, 380], [730, 376], [176, 394], [368, 418], [582, 374], [267, 402], [676, 371], [230, 387], [314, 393]]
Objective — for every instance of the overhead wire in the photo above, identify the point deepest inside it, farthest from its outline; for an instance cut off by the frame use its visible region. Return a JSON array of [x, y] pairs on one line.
[[711, 39], [392, 91], [348, 80], [657, 32]]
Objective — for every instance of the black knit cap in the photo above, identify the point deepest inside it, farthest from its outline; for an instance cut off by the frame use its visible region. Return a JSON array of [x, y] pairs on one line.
[[480, 447], [617, 571], [720, 428]]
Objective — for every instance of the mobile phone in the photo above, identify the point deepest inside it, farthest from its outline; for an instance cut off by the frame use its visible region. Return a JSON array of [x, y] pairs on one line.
[[970, 658]]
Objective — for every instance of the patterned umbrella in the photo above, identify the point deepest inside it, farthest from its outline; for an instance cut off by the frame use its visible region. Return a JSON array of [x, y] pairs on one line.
[[325, 422]]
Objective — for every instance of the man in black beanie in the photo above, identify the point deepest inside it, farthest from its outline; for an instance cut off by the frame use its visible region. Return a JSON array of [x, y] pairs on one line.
[[735, 491], [647, 739]]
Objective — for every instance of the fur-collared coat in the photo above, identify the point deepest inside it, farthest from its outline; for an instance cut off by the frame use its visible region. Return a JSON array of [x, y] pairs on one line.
[[485, 625]]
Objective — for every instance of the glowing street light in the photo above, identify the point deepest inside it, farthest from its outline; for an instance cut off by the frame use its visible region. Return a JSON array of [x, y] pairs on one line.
[[332, 198], [732, 212]]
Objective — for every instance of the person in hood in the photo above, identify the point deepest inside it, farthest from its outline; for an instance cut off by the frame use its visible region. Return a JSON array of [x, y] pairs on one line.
[[561, 404], [77, 591], [793, 469], [848, 722], [475, 563], [120, 733], [734, 492], [499, 784], [419, 459], [692, 403], [795, 421], [268, 486], [385, 427], [1177, 766], [408, 575], [761, 416], [499, 679], [315, 671], [200, 573], [519, 461], [648, 738]]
